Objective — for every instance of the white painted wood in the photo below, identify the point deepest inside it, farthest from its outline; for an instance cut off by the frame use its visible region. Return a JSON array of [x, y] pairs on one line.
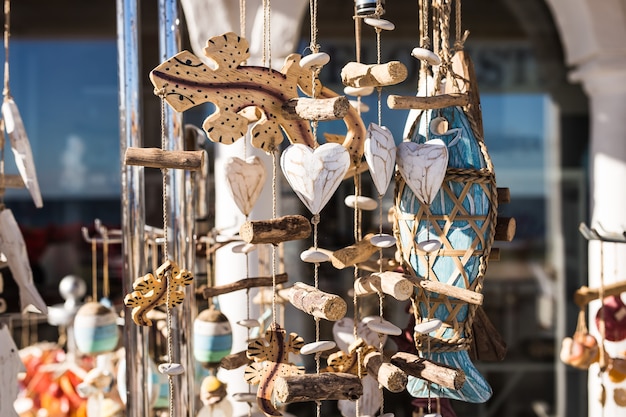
[[423, 167], [13, 247], [171, 368], [383, 240], [379, 23], [11, 365], [315, 175], [428, 326], [358, 91], [245, 181], [314, 256], [21, 148], [316, 347], [316, 60], [361, 201], [426, 55], [380, 154]]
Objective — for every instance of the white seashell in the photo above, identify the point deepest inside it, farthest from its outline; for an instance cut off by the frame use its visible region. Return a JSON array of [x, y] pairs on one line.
[[428, 326], [315, 347], [360, 106], [358, 91], [383, 240], [423, 167], [429, 246], [362, 202], [244, 248], [379, 23], [245, 181], [438, 125], [315, 60], [432, 415], [244, 397], [315, 175], [380, 154], [249, 323], [426, 55], [171, 368], [343, 333], [314, 256], [383, 326]]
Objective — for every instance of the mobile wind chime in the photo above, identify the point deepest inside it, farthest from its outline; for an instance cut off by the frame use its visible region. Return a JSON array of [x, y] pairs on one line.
[[445, 205]]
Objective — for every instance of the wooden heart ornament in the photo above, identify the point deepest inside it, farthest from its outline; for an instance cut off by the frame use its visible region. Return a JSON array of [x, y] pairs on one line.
[[380, 154], [314, 175], [423, 167], [245, 181]]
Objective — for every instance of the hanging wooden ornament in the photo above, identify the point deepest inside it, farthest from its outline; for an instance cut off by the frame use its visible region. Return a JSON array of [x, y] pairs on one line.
[[423, 167], [212, 337], [463, 217], [13, 247], [380, 154], [95, 328], [315, 174], [245, 181], [11, 366]]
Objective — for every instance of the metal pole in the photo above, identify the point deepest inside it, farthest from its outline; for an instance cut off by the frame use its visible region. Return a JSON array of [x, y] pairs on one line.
[[133, 210], [180, 223]]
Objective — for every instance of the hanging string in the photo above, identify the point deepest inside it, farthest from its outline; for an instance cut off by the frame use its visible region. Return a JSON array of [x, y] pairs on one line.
[[602, 324], [274, 215], [105, 266], [2, 177], [94, 270], [424, 36], [460, 37], [7, 34], [242, 18], [267, 43]]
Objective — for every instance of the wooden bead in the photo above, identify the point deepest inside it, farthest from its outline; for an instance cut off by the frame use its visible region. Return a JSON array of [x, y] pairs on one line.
[[358, 91], [316, 60], [383, 240], [427, 55], [379, 23], [316, 347], [361, 202]]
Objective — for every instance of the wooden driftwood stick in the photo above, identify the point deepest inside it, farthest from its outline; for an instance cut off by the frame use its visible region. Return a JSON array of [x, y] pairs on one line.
[[391, 283], [317, 303], [388, 264], [439, 101], [440, 374], [243, 284], [316, 108], [275, 231], [504, 195], [235, 360], [494, 255], [584, 294], [463, 294], [158, 158], [487, 343], [11, 181], [505, 229], [354, 254], [355, 74], [314, 387], [387, 374]]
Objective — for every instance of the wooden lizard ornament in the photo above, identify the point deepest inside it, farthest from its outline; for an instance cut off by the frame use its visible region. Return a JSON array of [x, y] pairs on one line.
[[271, 360], [150, 292], [235, 88]]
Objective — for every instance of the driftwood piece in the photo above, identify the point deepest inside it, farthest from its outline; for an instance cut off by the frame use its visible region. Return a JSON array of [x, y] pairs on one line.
[[391, 283], [387, 374], [318, 387], [584, 294], [235, 360], [463, 294], [439, 101], [11, 181], [316, 108], [355, 74], [504, 195], [275, 231], [487, 343], [505, 229], [494, 254], [354, 254], [388, 264], [158, 158], [440, 374], [317, 303], [245, 283]]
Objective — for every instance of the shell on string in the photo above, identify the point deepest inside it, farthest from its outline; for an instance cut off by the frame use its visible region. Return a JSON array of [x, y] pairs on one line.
[[379, 23], [249, 323], [423, 167], [244, 397], [380, 325], [430, 245], [316, 60], [245, 181], [360, 106], [380, 154], [95, 329], [343, 333], [171, 368], [316, 347], [358, 91], [315, 175], [383, 240], [427, 55], [361, 201], [212, 337], [243, 247], [314, 256], [427, 326]]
